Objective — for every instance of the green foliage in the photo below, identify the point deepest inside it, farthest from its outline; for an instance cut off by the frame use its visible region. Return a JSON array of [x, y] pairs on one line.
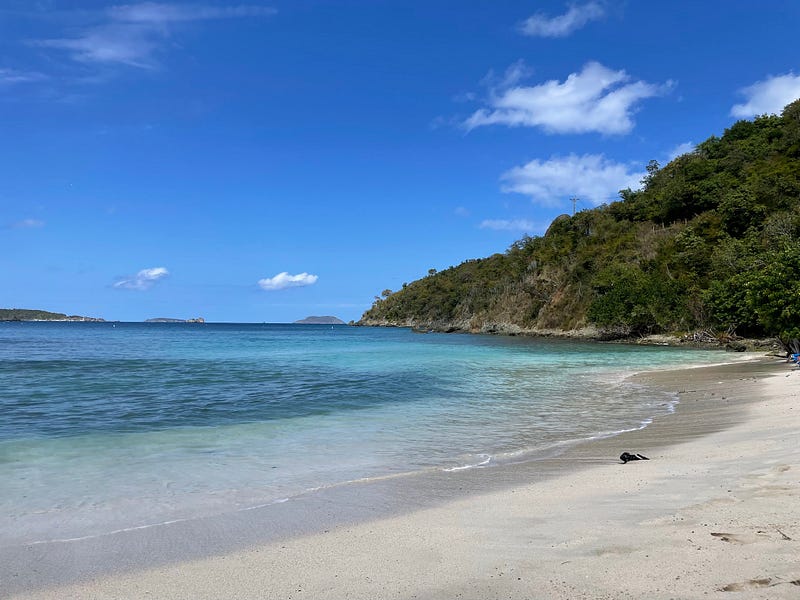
[[631, 301], [624, 300], [739, 211], [773, 294], [708, 242], [727, 305]]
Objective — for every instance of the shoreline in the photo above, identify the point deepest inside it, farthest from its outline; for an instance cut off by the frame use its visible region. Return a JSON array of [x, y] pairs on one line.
[[714, 400], [695, 339]]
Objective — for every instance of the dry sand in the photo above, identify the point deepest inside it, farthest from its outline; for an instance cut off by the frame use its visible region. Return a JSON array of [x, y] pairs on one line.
[[715, 513]]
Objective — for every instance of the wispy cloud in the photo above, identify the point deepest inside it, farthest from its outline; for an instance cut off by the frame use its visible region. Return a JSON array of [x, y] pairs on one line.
[[465, 97], [597, 99], [513, 74], [156, 12], [143, 280], [680, 150], [591, 177], [768, 96], [509, 225], [284, 280], [131, 34], [578, 15], [27, 224], [12, 76], [126, 44]]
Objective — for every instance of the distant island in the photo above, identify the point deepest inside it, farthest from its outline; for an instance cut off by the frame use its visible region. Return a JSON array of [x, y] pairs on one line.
[[26, 314], [170, 320], [320, 321]]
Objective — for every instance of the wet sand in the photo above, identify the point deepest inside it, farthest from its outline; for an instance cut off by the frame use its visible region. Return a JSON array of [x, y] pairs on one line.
[[714, 512]]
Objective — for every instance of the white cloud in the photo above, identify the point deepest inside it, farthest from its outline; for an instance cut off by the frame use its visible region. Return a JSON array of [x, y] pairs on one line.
[[131, 34], [590, 177], [509, 225], [680, 150], [577, 16], [143, 280], [27, 224], [768, 97], [596, 99], [283, 280]]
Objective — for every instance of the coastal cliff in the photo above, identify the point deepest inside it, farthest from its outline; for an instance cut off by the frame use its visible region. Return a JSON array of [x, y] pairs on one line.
[[707, 247]]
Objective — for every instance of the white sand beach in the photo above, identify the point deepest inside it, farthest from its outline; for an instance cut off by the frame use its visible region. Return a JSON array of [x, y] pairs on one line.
[[715, 516]]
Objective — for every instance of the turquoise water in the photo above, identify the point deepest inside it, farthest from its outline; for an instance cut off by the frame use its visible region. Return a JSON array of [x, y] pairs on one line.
[[111, 426]]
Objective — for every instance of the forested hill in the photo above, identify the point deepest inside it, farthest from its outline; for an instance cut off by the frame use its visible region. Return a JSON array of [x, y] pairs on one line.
[[709, 243]]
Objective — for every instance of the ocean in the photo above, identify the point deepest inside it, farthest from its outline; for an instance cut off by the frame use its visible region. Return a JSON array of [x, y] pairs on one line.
[[108, 427]]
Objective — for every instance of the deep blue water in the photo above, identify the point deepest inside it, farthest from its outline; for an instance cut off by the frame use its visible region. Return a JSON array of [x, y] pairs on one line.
[[113, 425]]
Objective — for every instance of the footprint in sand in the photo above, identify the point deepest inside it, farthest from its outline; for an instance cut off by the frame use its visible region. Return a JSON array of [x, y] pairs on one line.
[[756, 583], [746, 585], [739, 538], [735, 538]]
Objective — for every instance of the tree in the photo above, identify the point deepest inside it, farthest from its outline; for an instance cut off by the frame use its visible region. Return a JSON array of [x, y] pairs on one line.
[[773, 293], [652, 169], [622, 301]]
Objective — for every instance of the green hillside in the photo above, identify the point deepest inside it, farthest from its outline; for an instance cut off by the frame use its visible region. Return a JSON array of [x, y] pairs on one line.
[[709, 243]]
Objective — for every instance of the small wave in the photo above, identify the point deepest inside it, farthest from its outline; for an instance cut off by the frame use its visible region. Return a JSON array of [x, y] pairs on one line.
[[263, 505], [483, 463], [105, 533], [609, 434], [145, 526]]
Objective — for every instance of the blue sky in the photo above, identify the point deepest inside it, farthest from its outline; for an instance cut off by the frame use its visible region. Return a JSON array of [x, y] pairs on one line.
[[265, 161]]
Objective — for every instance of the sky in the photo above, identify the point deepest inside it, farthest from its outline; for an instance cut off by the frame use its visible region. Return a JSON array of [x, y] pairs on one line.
[[263, 161]]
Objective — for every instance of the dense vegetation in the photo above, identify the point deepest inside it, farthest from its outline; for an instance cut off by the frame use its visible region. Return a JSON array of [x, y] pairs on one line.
[[709, 243]]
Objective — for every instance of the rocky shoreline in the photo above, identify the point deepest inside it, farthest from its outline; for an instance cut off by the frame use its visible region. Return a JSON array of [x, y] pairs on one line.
[[694, 339]]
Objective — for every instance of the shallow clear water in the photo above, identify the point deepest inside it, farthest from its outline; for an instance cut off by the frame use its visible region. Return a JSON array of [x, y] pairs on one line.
[[110, 426]]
